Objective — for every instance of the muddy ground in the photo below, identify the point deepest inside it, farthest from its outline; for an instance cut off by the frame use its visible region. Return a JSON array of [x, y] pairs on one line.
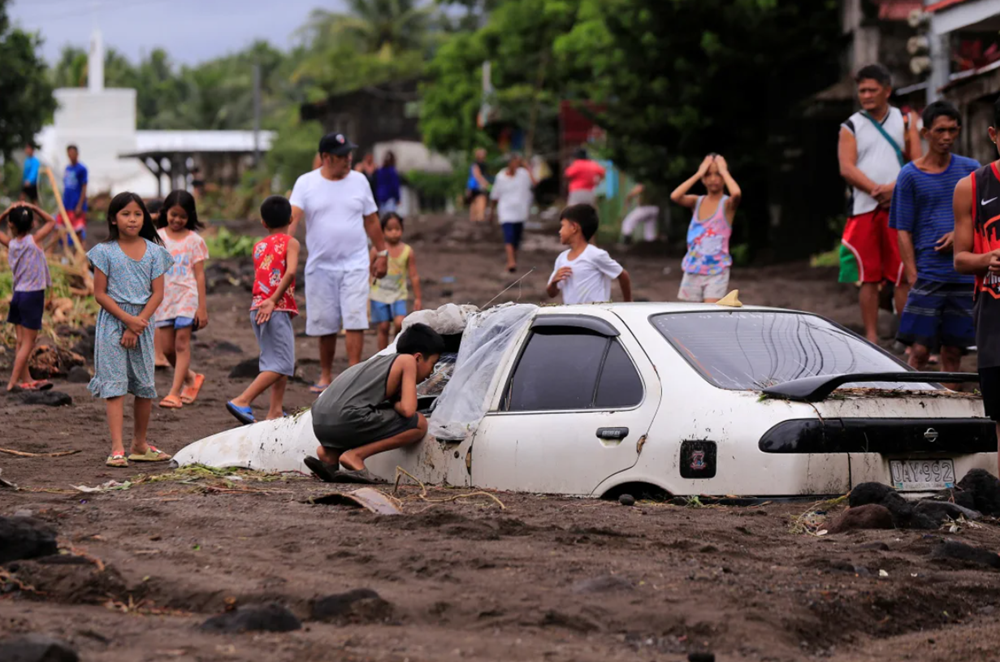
[[462, 578]]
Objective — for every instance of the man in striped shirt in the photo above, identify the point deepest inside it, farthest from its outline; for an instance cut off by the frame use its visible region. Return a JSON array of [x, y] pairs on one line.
[[938, 312]]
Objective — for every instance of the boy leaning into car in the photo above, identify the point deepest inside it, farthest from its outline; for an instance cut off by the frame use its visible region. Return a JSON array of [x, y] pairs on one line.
[[977, 252], [372, 407]]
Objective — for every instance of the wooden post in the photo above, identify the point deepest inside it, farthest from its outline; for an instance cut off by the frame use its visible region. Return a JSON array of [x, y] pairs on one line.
[[80, 253]]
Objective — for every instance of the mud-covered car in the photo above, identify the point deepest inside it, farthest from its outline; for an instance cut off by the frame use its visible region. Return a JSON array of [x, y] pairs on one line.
[[687, 399]]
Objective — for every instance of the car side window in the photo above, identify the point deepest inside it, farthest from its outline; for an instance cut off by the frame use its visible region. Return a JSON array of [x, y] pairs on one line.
[[571, 370], [620, 385]]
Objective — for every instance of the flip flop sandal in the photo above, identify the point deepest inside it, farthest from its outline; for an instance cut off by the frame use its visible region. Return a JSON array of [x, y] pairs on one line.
[[154, 454], [242, 414], [190, 393], [318, 388], [321, 469], [358, 477], [117, 460], [38, 385], [171, 402]]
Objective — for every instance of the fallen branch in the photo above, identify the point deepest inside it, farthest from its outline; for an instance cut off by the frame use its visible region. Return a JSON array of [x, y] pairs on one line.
[[400, 472], [24, 454]]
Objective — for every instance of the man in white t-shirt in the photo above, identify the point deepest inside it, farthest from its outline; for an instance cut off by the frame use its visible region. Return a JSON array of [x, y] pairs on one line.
[[512, 198], [341, 216], [584, 272]]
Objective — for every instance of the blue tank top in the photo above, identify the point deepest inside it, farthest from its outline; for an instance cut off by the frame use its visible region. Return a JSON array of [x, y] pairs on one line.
[[473, 183]]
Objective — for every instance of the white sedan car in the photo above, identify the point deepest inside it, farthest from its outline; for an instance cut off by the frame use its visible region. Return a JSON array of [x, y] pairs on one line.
[[679, 398]]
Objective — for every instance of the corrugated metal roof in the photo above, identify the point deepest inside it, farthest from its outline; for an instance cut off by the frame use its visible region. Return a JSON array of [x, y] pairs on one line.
[[200, 141]]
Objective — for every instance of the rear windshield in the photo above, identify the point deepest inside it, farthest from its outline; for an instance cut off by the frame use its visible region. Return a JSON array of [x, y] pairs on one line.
[[743, 350]]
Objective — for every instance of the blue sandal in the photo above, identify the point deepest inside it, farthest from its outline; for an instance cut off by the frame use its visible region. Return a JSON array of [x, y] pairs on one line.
[[242, 414]]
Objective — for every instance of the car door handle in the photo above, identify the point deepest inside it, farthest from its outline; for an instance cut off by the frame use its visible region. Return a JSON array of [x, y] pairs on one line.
[[612, 434]]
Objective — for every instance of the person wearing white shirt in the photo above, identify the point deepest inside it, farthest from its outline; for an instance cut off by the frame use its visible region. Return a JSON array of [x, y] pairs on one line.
[[511, 198], [340, 215], [584, 272]]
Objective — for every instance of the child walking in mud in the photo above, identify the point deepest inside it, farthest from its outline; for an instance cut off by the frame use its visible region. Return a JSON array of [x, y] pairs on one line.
[[129, 268], [584, 272], [707, 263], [31, 279], [372, 407], [275, 261], [389, 294], [184, 308]]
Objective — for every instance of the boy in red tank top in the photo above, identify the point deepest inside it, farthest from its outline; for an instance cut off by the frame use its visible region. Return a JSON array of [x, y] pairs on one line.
[[275, 261], [977, 252]]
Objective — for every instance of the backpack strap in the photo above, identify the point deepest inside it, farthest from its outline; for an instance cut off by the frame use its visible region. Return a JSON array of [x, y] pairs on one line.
[[885, 134]]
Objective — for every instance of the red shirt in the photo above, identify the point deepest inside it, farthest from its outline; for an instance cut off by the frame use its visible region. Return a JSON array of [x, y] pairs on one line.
[[583, 175], [270, 264]]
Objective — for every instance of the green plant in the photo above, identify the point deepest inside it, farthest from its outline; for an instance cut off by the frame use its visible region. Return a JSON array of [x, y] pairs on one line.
[[224, 244], [435, 189]]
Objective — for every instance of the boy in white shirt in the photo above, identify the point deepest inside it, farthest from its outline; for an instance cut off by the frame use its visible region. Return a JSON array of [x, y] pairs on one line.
[[584, 272]]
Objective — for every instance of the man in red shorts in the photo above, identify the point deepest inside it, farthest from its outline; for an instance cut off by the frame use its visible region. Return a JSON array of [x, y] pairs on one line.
[[875, 143]]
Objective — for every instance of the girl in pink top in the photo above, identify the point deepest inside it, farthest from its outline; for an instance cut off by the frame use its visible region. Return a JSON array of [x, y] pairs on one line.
[[31, 278], [184, 307]]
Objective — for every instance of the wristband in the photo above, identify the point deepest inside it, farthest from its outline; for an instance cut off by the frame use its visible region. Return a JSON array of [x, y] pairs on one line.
[[384, 253]]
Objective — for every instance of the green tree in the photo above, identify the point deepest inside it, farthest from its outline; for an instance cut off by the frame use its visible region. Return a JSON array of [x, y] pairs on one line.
[[682, 78], [26, 100]]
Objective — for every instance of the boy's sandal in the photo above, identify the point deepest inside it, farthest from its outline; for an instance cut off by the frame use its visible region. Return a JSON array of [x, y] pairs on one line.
[[190, 393], [318, 388], [117, 460], [242, 414], [37, 385], [171, 402], [154, 454]]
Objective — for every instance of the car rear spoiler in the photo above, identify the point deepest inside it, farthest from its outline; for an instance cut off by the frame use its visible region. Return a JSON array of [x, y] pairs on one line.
[[817, 389]]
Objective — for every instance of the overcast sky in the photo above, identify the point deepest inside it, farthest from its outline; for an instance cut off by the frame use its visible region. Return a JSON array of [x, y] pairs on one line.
[[190, 30]]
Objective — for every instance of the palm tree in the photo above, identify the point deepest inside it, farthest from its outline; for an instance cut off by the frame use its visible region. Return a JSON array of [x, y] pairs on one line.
[[384, 27]]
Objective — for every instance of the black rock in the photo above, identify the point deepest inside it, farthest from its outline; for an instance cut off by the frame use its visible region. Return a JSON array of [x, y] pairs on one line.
[[25, 538], [247, 369], [78, 375], [943, 510], [36, 648], [85, 348], [951, 549], [626, 500], [270, 617], [903, 514], [343, 605], [985, 490], [701, 657], [225, 346], [48, 398]]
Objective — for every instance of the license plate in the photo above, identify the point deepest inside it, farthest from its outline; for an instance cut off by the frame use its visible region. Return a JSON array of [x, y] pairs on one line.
[[916, 475]]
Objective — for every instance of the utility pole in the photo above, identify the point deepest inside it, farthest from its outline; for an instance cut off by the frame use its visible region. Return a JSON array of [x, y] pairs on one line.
[[256, 115]]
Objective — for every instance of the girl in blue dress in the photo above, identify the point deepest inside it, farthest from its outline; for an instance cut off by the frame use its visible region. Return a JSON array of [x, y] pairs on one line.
[[128, 285]]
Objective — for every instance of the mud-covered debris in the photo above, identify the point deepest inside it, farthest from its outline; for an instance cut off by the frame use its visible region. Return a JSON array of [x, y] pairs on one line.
[[361, 605], [701, 657], [951, 549], [36, 648], [626, 500], [944, 510], [247, 369], [877, 545], [25, 538], [903, 514], [868, 516], [48, 361], [47, 398], [269, 617], [985, 490], [603, 584], [78, 375]]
